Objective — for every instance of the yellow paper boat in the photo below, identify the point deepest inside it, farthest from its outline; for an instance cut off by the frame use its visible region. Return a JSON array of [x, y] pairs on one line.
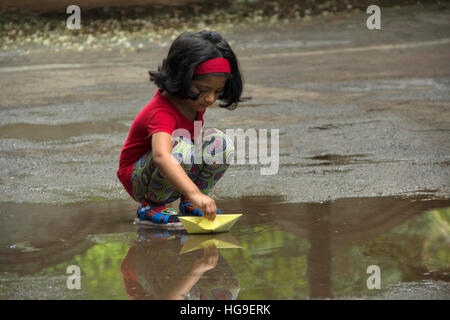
[[200, 241], [222, 223]]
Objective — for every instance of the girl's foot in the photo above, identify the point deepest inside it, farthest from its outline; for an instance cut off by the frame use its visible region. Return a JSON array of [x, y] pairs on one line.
[[158, 215], [187, 209], [159, 234]]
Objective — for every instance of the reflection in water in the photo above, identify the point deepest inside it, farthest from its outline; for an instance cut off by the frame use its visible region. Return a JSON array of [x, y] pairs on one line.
[[282, 251], [322, 250], [319, 255], [154, 269]]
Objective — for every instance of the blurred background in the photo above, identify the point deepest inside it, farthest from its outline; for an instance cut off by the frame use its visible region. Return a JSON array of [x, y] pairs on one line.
[[27, 24]]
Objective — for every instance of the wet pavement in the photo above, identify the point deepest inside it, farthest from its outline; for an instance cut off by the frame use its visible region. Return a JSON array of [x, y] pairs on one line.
[[276, 251], [363, 119], [334, 89]]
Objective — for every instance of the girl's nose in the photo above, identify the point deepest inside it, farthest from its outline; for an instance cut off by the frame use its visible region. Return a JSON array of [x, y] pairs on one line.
[[210, 98]]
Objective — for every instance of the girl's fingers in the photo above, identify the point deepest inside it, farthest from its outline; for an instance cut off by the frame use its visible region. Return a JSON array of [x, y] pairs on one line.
[[211, 212], [207, 206]]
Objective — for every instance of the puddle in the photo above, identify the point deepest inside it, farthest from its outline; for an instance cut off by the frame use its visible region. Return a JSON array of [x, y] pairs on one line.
[[329, 126], [276, 251], [336, 159], [255, 105], [57, 132], [341, 160]]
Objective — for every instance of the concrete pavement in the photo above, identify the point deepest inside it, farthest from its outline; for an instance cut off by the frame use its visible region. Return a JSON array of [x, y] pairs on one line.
[[360, 112]]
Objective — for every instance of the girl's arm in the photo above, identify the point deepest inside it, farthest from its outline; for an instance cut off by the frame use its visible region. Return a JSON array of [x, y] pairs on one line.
[[174, 173], [181, 288]]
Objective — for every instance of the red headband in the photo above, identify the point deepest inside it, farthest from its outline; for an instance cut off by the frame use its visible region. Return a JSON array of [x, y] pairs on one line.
[[213, 65]]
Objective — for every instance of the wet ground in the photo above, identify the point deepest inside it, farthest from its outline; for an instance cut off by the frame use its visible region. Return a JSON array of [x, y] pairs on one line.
[[359, 112], [363, 119], [276, 251]]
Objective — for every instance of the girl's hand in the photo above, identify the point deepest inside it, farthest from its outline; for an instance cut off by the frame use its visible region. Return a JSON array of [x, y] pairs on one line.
[[208, 261], [206, 204]]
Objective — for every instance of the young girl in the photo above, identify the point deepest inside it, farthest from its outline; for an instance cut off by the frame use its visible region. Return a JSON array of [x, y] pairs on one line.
[[200, 68]]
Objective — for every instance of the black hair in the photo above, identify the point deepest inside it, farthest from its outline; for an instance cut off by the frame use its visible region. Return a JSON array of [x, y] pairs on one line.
[[188, 51]]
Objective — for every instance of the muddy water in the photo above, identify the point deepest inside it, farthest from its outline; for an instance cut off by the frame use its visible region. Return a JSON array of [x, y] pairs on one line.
[[63, 131], [276, 251]]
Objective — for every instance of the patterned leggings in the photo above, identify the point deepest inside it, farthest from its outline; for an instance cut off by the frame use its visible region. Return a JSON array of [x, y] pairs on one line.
[[217, 152]]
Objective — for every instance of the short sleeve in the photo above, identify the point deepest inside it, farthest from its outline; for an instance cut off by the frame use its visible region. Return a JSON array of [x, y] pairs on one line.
[[161, 121]]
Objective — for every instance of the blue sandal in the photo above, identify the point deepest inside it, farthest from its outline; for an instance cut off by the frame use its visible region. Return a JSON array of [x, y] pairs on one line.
[[187, 209], [157, 215]]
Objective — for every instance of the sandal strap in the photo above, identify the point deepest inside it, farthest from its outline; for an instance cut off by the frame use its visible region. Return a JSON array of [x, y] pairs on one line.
[[196, 211], [142, 211], [161, 217]]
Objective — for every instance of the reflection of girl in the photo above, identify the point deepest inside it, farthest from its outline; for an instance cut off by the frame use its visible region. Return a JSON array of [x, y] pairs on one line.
[[155, 270]]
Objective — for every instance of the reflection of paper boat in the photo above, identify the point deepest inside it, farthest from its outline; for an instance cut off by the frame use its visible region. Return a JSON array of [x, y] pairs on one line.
[[222, 223], [200, 241]]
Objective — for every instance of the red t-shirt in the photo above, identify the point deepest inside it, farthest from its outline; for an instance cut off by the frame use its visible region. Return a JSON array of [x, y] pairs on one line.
[[160, 114]]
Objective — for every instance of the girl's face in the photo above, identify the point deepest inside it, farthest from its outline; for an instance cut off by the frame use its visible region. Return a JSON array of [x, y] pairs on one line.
[[210, 89]]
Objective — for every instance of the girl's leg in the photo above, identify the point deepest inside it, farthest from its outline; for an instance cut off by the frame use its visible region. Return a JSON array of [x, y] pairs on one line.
[[217, 153], [153, 191], [149, 185]]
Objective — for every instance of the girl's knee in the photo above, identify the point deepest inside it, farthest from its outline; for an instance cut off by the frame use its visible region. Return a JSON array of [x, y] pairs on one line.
[[218, 148], [183, 151], [211, 131], [181, 142], [169, 194], [213, 135]]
